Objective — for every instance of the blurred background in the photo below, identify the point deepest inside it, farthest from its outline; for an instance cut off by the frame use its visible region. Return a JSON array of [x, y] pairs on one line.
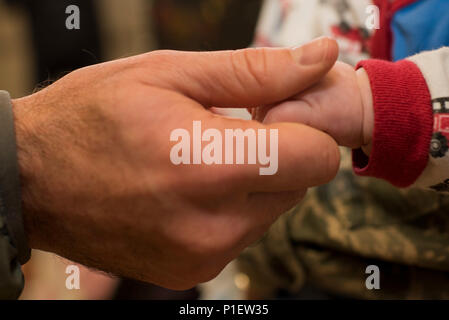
[[36, 49]]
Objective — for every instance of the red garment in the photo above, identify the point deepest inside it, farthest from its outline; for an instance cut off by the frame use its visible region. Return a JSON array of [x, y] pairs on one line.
[[403, 123], [382, 41]]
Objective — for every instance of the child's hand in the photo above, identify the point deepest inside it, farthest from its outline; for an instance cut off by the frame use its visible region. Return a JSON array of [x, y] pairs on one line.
[[341, 105]]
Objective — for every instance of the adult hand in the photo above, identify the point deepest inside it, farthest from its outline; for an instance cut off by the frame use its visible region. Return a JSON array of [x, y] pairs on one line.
[[97, 181]]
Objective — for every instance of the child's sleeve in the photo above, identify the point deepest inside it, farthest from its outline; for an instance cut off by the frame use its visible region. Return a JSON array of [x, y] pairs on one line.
[[411, 130]]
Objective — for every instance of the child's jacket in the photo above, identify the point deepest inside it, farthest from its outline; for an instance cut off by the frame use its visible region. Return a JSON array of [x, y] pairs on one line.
[[342, 228]]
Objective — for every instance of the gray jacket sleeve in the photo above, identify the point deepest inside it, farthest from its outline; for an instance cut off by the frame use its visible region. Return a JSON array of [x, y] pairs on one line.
[[11, 277], [14, 249]]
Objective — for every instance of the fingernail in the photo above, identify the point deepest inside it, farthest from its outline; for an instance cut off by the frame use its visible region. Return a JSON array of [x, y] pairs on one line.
[[313, 52]]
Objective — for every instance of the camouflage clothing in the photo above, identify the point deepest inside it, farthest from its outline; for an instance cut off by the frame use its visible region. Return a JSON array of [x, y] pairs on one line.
[[341, 228]]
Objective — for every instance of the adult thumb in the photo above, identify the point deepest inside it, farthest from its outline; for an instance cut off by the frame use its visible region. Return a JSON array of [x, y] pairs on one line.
[[243, 78]]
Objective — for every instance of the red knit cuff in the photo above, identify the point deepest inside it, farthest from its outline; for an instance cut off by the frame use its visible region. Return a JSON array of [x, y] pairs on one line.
[[403, 121]]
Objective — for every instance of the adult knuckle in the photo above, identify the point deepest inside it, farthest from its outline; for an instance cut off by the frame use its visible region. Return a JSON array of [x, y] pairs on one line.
[[250, 67], [256, 61], [214, 245], [159, 62], [161, 56], [219, 241]]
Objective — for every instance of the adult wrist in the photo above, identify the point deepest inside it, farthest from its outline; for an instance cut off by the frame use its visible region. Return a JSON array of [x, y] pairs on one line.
[[28, 144]]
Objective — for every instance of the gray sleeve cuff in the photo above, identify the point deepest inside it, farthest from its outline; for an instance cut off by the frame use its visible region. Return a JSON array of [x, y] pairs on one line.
[[11, 277], [10, 197]]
